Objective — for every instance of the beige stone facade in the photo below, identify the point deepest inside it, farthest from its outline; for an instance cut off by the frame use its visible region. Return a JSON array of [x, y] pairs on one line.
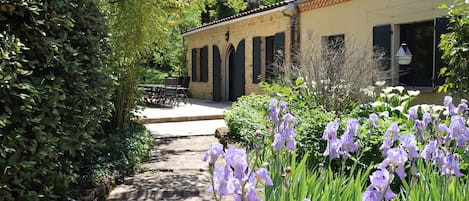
[[264, 24], [357, 18], [316, 19]]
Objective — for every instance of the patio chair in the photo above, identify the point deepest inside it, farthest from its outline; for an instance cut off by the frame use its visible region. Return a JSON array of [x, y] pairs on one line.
[[170, 91], [183, 89]]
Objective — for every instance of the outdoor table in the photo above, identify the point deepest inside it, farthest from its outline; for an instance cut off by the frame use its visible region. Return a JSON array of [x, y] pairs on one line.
[[158, 93]]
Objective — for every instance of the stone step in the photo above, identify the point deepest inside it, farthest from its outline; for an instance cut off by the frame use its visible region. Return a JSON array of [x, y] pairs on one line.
[[190, 128]]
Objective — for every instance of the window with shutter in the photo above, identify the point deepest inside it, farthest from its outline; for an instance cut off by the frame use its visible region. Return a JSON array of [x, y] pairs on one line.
[[382, 44], [420, 40], [200, 64]]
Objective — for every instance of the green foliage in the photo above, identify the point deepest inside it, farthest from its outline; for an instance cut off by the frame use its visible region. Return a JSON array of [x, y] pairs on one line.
[[116, 155], [153, 76], [246, 116], [455, 47], [136, 28], [249, 114], [54, 90], [430, 186], [315, 184]]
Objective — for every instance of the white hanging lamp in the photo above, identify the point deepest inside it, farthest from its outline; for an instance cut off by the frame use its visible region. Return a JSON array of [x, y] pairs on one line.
[[404, 56]]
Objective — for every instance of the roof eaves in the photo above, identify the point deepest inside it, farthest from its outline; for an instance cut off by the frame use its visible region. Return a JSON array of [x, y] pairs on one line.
[[243, 14]]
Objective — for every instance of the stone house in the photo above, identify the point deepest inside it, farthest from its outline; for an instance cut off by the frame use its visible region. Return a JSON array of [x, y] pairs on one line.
[[229, 57]]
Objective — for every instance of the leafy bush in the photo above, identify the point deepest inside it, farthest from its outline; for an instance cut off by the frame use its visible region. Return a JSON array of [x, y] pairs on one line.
[[246, 116], [249, 114], [455, 48], [116, 155], [54, 93]]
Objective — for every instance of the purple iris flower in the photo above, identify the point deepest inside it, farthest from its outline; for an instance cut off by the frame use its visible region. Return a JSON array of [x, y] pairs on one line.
[[374, 120], [236, 158], [391, 135], [283, 106], [379, 187], [333, 144], [264, 175], [347, 140], [331, 131], [462, 106], [396, 157], [285, 134], [213, 153], [448, 102], [429, 149], [409, 143], [393, 132], [443, 128], [252, 195], [380, 179], [225, 183], [333, 148], [371, 195], [387, 144], [427, 118], [273, 111], [420, 126], [389, 194], [352, 128], [451, 166], [278, 141], [458, 131], [413, 114]]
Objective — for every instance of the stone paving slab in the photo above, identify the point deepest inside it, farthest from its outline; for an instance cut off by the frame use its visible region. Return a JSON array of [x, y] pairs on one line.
[[177, 154], [188, 128], [181, 185], [174, 172]]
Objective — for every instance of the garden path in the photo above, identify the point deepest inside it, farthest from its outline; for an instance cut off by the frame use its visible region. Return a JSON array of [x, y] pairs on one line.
[[175, 170]]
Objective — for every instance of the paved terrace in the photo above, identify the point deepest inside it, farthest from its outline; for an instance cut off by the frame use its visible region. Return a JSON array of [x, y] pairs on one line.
[[175, 170], [198, 110]]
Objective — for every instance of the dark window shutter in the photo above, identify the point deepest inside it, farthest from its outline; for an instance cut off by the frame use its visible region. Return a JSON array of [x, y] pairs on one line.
[[256, 59], [279, 45], [441, 27], [382, 42], [204, 64], [194, 64]]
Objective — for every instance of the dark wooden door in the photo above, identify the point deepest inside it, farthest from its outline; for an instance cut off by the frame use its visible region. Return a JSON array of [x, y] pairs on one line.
[[216, 81], [238, 73]]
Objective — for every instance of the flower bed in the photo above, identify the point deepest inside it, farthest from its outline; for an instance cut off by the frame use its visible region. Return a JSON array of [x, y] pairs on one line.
[[382, 150]]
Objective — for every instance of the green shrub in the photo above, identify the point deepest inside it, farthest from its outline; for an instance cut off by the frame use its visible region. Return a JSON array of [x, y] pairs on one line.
[[249, 114], [455, 48], [117, 154], [54, 91], [246, 116]]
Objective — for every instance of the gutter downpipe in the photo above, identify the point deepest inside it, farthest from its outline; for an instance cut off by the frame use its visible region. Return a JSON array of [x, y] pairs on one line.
[[292, 29]]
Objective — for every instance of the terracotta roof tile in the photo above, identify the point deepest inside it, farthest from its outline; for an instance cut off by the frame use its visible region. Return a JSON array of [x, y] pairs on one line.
[[314, 4]]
